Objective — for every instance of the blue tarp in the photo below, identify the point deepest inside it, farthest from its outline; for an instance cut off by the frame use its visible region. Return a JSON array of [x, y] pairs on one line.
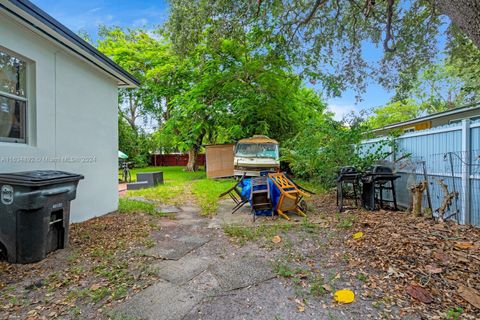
[[274, 194]]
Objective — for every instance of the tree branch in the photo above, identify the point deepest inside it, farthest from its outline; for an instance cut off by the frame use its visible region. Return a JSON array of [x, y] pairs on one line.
[[388, 32], [259, 5], [317, 4]]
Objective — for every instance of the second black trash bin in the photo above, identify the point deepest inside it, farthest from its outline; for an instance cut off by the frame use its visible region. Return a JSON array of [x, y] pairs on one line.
[[35, 213]]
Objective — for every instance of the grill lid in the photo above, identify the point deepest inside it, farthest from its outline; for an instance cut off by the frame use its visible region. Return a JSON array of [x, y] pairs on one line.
[[347, 170], [377, 169]]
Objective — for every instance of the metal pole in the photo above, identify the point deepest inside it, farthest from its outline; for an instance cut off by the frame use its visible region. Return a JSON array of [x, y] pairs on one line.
[[465, 157], [425, 176], [454, 186]]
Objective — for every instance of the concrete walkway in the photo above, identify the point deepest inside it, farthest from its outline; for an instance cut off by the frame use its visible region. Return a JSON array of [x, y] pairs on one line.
[[204, 276], [199, 269]]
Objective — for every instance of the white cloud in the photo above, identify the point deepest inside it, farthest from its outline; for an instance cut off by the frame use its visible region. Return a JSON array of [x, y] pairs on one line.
[[142, 22], [340, 110], [94, 10]]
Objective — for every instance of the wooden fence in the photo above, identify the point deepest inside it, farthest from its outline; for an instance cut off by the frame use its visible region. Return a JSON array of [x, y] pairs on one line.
[[164, 160]]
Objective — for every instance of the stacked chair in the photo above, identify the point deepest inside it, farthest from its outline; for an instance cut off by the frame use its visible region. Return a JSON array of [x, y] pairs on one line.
[[268, 193], [260, 196]]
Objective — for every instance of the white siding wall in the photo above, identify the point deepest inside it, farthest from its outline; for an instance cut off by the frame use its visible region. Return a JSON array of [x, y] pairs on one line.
[[73, 114]]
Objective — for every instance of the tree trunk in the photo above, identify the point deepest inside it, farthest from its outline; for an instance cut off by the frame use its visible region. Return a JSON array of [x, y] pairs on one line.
[[417, 194], [192, 164], [465, 14]]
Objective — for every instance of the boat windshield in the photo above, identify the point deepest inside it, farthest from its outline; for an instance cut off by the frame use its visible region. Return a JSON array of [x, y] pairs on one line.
[[257, 150]]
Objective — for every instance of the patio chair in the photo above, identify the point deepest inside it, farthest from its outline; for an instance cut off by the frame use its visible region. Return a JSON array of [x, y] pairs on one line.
[[260, 196], [235, 193], [291, 195]]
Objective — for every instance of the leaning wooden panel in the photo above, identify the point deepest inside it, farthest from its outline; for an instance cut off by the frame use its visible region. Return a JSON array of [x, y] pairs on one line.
[[219, 160]]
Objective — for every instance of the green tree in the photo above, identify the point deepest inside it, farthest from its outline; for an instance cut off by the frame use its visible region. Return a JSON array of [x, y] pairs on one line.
[[393, 112], [140, 54], [325, 39], [150, 59], [137, 145], [237, 89], [464, 59]]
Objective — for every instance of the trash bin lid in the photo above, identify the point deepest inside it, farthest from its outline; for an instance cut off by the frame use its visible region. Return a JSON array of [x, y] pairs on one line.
[[38, 178]]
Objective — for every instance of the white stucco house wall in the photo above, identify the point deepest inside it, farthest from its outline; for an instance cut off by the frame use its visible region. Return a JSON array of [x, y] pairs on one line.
[[58, 105]]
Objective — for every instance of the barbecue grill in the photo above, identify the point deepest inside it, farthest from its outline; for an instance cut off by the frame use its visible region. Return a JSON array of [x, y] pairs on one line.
[[347, 176], [375, 181]]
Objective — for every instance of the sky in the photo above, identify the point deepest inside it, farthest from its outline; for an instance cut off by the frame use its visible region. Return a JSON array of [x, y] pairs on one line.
[[87, 15]]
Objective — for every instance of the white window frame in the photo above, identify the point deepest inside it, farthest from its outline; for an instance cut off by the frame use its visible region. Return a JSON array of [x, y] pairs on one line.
[[409, 129], [25, 99]]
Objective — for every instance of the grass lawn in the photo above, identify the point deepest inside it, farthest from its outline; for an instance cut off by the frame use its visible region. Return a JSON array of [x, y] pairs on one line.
[[179, 188], [207, 192]]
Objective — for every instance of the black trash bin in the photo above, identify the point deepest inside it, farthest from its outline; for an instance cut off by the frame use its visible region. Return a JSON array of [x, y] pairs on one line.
[[35, 213]]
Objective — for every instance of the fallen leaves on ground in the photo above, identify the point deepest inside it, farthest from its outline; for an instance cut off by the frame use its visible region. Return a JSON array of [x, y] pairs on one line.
[[463, 245], [101, 266], [327, 287], [276, 239], [300, 305], [419, 293], [470, 295], [433, 268], [402, 250]]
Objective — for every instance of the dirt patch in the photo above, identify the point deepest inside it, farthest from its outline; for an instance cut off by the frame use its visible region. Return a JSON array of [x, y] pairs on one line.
[[101, 266]]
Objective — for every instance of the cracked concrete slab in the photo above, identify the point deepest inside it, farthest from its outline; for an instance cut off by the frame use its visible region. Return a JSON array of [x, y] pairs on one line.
[[241, 272], [174, 249], [162, 301], [183, 270], [168, 209], [205, 282], [224, 215]]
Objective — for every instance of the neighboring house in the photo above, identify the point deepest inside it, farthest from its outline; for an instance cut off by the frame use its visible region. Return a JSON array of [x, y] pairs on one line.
[[432, 120], [58, 105]]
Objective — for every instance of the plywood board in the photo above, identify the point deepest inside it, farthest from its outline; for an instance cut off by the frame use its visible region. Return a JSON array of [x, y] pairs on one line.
[[219, 160]]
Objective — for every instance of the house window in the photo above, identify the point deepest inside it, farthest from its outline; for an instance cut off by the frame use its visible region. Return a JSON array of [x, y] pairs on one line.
[[409, 129], [13, 98]]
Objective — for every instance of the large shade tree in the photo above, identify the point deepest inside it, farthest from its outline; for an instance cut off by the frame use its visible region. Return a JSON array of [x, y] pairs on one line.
[[139, 53], [326, 39], [237, 89]]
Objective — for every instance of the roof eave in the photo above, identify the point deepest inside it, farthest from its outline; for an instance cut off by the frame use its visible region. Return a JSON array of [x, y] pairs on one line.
[[429, 117], [40, 22]]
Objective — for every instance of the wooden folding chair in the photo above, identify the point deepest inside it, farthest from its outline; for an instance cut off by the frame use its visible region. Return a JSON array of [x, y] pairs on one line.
[[290, 195], [235, 194]]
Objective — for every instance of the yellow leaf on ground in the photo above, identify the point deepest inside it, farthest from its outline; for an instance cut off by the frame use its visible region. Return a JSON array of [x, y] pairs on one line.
[[358, 235], [344, 296], [276, 239]]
